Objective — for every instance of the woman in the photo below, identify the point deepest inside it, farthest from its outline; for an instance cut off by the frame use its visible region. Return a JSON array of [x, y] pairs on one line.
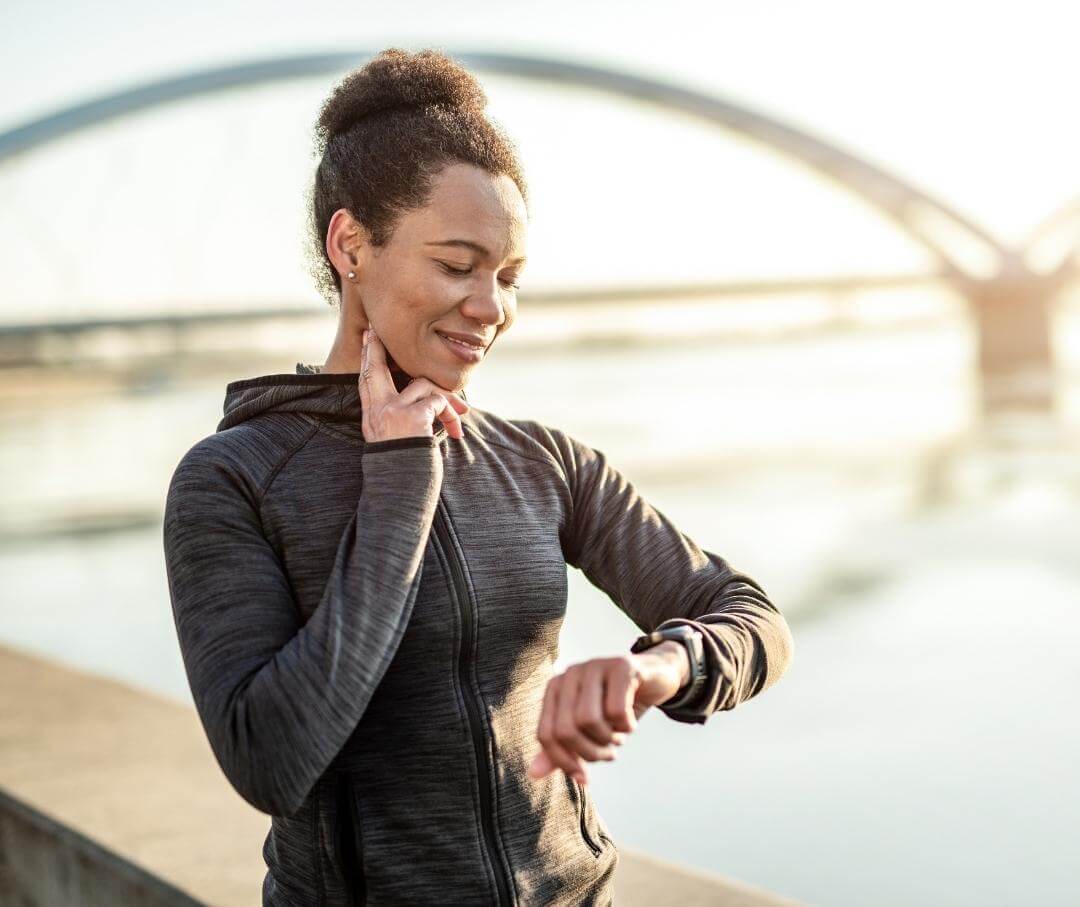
[[368, 575]]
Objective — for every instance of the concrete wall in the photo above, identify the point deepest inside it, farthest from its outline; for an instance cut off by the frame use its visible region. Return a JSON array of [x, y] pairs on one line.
[[44, 864]]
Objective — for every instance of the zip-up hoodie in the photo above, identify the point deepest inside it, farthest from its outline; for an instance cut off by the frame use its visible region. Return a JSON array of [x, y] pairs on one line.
[[368, 630]]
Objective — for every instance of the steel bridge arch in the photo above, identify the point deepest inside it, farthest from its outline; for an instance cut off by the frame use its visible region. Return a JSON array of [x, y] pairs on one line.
[[917, 213]]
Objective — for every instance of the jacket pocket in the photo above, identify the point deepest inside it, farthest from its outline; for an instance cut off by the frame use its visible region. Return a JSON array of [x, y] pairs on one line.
[[348, 842], [582, 797]]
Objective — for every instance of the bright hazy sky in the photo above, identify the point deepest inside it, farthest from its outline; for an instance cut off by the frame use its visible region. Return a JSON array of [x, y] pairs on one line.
[[971, 101]]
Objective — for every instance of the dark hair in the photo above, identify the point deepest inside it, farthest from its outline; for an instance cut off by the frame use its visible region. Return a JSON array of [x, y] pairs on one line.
[[384, 133]]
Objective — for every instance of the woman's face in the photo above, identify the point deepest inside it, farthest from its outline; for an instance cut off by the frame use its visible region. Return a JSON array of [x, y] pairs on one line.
[[449, 269]]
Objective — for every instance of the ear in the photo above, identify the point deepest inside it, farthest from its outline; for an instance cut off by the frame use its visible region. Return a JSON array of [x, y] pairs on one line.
[[346, 239]]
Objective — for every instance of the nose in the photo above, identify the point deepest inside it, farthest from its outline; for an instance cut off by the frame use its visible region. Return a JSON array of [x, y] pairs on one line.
[[485, 307]]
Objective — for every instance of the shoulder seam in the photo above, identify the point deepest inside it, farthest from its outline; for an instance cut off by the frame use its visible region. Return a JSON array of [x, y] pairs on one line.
[[327, 426], [289, 454], [526, 456]]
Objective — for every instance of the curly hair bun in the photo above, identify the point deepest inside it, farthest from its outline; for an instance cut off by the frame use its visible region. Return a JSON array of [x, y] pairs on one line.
[[395, 78]]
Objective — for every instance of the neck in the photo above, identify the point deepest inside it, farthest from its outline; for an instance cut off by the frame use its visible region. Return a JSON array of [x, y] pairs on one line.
[[347, 351]]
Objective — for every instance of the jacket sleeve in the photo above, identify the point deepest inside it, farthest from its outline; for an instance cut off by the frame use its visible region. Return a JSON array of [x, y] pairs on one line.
[[660, 577], [278, 698]]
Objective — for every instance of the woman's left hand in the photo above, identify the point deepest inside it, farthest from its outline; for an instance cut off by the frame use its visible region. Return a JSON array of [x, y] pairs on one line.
[[591, 706]]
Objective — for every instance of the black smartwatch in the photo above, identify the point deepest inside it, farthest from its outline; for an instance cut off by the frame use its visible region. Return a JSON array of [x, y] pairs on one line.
[[695, 648]]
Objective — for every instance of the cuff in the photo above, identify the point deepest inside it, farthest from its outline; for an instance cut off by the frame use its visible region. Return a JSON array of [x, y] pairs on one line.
[[698, 709]]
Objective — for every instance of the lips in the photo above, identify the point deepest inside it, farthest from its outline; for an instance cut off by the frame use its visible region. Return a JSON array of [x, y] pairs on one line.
[[462, 351], [469, 340]]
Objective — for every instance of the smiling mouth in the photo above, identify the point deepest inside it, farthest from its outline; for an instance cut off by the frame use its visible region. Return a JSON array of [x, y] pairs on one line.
[[460, 343]]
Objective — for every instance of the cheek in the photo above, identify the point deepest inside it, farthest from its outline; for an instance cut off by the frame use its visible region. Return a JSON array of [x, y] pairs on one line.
[[510, 313], [408, 313], [427, 300]]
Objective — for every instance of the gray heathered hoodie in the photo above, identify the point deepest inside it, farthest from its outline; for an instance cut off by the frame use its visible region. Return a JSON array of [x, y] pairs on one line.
[[368, 630]]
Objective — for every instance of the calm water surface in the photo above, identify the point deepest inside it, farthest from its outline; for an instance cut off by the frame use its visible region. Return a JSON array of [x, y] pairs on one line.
[[922, 747]]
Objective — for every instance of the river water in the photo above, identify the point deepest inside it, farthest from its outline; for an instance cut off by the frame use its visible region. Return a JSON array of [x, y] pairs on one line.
[[922, 747]]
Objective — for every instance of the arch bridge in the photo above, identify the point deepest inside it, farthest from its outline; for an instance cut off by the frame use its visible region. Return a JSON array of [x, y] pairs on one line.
[[1010, 300]]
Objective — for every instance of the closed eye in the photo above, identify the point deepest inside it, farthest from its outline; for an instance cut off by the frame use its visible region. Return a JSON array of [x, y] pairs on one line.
[[462, 273]]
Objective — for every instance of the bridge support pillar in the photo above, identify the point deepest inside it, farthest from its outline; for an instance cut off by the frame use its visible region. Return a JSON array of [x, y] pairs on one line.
[[1015, 348]]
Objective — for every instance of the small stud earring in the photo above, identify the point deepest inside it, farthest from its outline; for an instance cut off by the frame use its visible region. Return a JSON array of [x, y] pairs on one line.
[[352, 275]]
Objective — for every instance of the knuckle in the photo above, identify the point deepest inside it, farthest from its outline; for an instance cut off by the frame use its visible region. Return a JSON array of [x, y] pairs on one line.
[[614, 714], [566, 736]]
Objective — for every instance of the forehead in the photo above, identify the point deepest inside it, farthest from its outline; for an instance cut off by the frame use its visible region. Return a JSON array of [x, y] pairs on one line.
[[469, 203]]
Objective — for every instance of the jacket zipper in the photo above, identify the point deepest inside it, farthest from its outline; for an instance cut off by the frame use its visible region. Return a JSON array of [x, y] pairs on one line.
[[584, 803], [461, 593]]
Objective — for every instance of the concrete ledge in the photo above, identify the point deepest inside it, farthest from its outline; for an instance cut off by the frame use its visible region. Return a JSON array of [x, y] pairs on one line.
[[643, 880], [131, 771], [110, 795], [43, 863]]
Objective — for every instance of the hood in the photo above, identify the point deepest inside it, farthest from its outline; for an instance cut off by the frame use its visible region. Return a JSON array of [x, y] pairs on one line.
[[334, 396]]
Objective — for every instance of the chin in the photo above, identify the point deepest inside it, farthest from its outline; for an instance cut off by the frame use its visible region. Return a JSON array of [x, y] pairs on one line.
[[452, 379], [456, 380]]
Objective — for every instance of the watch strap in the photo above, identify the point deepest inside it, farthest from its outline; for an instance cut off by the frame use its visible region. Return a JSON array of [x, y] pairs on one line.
[[695, 649]]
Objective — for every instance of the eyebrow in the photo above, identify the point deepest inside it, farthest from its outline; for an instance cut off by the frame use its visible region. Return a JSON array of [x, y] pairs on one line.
[[475, 246]]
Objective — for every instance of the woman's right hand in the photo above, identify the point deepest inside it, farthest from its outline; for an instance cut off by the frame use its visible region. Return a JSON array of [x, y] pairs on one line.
[[388, 414]]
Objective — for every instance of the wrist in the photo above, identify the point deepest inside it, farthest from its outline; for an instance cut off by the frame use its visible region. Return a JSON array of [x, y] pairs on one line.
[[673, 652]]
